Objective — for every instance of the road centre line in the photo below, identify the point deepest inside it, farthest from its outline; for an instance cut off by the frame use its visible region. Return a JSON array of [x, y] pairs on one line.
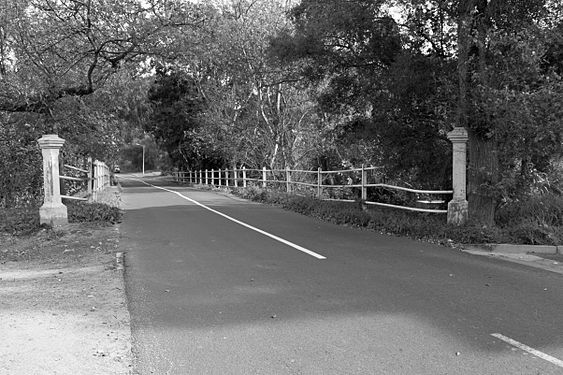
[[537, 353], [272, 236]]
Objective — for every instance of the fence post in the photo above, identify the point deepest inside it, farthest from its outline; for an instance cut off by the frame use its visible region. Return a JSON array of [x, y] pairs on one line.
[[244, 177], [287, 180], [53, 212], [264, 177], [90, 177], [364, 183], [220, 177], [235, 176], [319, 182], [227, 177], [96, 182], [458, 208]]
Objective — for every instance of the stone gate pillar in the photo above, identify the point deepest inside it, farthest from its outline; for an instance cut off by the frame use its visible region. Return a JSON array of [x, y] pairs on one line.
[[458, 208], [53, 212]]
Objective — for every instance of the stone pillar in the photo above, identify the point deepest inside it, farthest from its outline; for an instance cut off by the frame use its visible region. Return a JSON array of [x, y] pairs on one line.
[[458, 209], [53, 212]]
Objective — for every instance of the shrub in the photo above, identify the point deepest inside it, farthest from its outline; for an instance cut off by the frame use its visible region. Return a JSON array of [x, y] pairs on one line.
[[20, 221], [544, 209], [82, 212], [425, 225]]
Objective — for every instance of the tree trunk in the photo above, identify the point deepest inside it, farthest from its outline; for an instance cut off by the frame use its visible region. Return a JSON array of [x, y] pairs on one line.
[[482, 178], [483, 159]]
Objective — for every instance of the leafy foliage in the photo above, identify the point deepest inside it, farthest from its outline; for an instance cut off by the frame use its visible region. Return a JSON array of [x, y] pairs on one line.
[[522, 228], [82, 212], [177, 104]]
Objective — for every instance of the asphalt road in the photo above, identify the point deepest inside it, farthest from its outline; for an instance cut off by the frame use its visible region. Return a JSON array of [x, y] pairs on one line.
[[208, 295]]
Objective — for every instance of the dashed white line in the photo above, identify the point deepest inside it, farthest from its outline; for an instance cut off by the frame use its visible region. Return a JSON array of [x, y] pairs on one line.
[[272, 236], [537, 353]]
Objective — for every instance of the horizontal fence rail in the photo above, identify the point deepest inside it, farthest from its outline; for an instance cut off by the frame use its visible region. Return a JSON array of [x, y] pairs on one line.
[[95, 179], [346, 185]]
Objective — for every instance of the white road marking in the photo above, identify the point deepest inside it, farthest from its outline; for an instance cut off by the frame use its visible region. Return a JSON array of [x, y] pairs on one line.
[[272, 236], [537, 353]]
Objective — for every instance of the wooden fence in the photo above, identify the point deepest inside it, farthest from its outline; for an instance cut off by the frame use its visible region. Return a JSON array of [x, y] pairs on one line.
[[87, 183], [348, 185]]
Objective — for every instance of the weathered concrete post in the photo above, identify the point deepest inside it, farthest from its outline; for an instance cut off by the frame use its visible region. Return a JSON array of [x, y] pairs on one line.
[[458, 208], [53, 212], [244, 183]]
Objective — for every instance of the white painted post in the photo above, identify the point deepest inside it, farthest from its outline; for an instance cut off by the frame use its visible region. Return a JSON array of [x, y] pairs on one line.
[[458, 208], [227, 177], [96, 184], [235, 176], [201, 177], [244, 177], [264, 177], [319, 182], [53, 212], [220, 177], [364, 182], [287, 180], [89, 176]]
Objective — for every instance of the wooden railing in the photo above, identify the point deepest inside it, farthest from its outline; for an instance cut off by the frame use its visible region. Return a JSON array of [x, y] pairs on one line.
[[89, 182], [347, 185]]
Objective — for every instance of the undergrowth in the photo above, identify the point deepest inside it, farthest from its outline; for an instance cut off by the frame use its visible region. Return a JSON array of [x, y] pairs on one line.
[[25, 220], [535, 222]]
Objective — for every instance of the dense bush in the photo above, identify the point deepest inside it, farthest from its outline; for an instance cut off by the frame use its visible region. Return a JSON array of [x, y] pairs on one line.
[[537, 219], [21, 176], [81, 212], [25, 220], [19, 221]]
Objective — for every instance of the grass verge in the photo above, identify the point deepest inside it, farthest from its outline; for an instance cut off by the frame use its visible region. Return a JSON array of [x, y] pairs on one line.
[[21, 221]]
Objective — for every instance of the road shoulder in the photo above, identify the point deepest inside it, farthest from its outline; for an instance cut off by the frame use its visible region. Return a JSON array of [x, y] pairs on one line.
[[62, 303]]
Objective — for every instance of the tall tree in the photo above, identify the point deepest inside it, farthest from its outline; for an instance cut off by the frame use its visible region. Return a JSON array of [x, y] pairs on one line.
[[177, 104], [51, 49], [403, 94]]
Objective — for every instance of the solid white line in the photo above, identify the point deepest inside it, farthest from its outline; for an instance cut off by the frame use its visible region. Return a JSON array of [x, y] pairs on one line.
[[274, 237], [537, 353]]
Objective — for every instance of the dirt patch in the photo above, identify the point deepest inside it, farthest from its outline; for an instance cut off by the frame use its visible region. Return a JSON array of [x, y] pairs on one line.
[[62, 303]]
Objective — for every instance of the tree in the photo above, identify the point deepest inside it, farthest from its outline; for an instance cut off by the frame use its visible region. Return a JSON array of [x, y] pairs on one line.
[[52, 49], [404, 95], [383, 90], [492, 68], [253, 115], [71, 67], [177, 103]]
